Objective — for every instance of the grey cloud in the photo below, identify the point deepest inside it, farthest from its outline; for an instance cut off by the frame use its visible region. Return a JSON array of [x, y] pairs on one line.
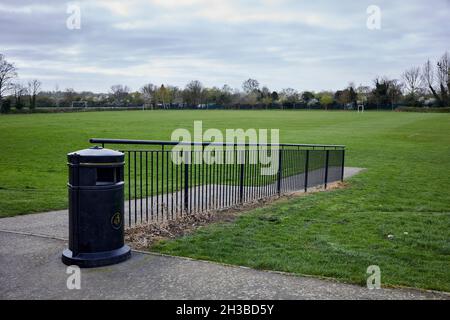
[[177, 44]]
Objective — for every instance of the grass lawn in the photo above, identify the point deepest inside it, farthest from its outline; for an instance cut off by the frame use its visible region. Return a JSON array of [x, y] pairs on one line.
[[404, 192]]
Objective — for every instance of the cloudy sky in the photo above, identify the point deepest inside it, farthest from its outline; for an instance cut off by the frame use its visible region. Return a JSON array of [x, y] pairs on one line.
[[307, 45]]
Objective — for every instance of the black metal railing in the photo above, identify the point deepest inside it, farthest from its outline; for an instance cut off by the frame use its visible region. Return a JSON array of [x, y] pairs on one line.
[[158, 188]]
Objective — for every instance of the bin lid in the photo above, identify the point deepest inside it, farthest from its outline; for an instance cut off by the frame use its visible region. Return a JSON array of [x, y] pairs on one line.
[[95, 155]]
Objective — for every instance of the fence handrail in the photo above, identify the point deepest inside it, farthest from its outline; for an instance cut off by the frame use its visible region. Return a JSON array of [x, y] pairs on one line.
[[173, 143]]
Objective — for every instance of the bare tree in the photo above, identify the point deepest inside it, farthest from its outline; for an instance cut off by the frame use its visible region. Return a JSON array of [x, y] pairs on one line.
[[192, 94], [149, 93], [225, 96], [174, 94], [443, 77], [250, 85], [412, 80], [428, 79], [362, 93], [394, 91], [437, 81], [7, 74], [19, 91], [69, 96], [119, 92], [34, 87], [289, 96]]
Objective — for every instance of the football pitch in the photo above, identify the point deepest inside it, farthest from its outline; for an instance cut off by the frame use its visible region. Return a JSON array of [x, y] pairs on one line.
[[405, 191]]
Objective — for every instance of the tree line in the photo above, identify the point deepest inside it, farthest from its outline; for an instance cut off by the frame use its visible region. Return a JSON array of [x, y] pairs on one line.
[[427, 85]]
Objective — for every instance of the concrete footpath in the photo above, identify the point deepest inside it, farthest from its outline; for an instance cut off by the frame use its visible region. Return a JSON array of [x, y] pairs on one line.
[[31, 268]]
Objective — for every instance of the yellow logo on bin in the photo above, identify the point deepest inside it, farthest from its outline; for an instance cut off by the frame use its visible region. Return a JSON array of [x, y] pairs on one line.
[[116, 221]]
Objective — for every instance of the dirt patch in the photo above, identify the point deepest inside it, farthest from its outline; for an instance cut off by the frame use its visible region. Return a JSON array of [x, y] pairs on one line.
[[144, 235]]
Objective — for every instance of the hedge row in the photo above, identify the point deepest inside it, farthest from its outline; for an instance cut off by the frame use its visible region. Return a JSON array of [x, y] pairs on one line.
[[423, 109], [63, 110]]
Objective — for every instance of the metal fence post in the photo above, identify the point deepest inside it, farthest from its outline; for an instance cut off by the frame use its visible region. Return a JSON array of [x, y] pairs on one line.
[[326, 167], [241, 178], [186, 183], [306, 170], [280, 151], [343, 163]]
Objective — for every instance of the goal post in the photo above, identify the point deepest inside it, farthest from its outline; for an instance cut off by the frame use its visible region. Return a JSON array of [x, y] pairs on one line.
[[79, 104]]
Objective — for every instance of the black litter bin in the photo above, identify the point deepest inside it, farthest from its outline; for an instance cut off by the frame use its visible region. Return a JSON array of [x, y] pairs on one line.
[[96, 208]]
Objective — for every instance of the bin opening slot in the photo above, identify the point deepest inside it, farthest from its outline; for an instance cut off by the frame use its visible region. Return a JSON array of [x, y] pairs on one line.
[[106, 176]]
